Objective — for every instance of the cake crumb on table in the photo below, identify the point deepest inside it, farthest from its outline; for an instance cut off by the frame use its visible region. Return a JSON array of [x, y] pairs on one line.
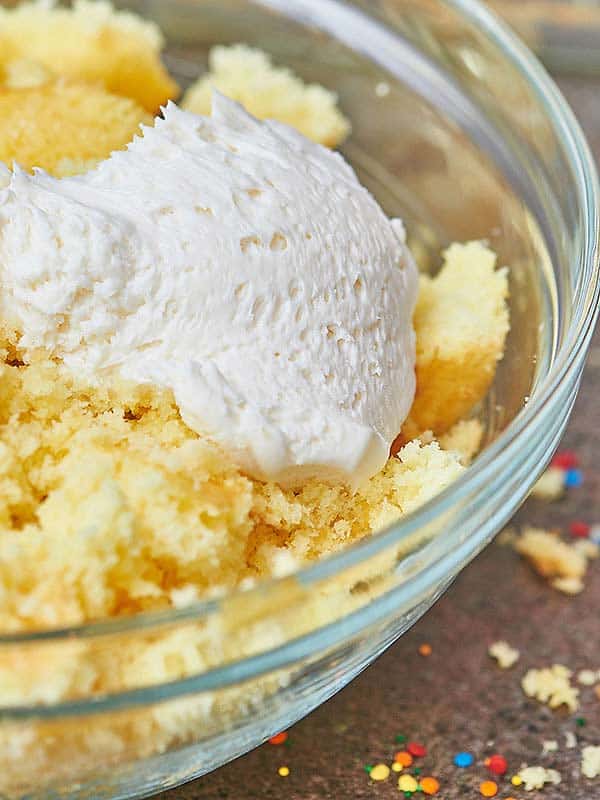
[[563, 563], [551, 485], [590, 761], [551, 686], [549, 746], [537, 777], [505, 655]]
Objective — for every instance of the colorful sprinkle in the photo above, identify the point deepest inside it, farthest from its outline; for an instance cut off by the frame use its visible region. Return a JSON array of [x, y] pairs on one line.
[[463, 760], [284, 771], [380, 772], [429, 785], [565, 459], [396, 767], [425, 649], [488, 788], [416, 749], [573, 479], [400, 739], [595, 534], [367, 768], [279, 738], [496, 764], [417, 771], [406, 783], [579, 529], [404, 758], [580, 721], [516, 780]]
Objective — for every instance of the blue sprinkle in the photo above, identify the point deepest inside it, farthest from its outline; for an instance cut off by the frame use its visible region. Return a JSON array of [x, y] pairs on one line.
[[573, 479], [463, 759]]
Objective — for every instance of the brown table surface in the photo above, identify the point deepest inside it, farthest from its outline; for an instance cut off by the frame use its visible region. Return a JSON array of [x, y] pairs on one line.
[[457, 698]]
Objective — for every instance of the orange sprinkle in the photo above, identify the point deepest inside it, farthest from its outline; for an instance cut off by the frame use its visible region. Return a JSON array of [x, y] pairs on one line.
[[279, 738], [429, 785], [488, 788], [425, 649], [404, 758]]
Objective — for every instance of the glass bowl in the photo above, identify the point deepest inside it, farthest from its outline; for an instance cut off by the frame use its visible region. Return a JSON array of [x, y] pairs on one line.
[[457, 129]]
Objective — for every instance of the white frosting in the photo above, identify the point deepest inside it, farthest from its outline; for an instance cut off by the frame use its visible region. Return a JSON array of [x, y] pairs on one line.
[[238, 264]]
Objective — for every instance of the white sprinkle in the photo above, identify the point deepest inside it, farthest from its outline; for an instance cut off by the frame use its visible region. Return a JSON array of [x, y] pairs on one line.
[[382, 89]]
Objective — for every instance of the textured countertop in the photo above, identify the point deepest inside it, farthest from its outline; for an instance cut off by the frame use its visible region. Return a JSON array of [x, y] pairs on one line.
[[457, 698]]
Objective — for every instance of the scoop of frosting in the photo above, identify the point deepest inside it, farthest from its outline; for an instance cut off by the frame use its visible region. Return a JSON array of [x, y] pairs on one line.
[[239, 265]]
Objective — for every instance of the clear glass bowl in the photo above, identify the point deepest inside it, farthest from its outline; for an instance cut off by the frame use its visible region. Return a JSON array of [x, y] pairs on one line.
[[457, 129]]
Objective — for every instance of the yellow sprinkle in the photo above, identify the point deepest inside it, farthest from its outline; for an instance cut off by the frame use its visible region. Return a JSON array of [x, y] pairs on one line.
[[406, 783], [380, 772], [284, 771], [397, 767], [516, 780]]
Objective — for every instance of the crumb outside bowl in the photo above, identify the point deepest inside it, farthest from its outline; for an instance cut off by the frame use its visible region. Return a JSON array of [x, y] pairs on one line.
[[472, 140]]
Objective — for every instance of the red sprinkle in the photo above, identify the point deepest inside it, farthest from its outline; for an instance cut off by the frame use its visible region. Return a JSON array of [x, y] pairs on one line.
[[565, 459], [579, 529], [279, 738], [417, 750], [497, 764]]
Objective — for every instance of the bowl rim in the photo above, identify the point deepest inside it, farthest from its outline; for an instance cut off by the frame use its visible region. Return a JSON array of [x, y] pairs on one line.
[[586, 295]]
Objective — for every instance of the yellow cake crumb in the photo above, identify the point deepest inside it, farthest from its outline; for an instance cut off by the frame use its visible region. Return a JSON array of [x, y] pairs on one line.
[[505, 655], [588, 677], [269, 92], [549, 746], [551, 485], [90, 42], [25, 74], [65, 128], [564, 564], [464, 438], [533, 778], [552, 686], [461, 322], [590, 761]]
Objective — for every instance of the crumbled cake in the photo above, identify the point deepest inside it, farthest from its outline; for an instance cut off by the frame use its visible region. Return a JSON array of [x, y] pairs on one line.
[[550, 486], [505, 655], [590, 761], [552, 686], [269, 92], [463, 438], [565, 564], [588, 677], [537, 777], [64, 127], [461, 321], [90, 42], [107, 495]]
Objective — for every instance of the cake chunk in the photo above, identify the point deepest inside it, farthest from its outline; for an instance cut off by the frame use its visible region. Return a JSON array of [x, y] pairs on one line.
[[90, 42], [461, 322], [248, 75], [65, 128]]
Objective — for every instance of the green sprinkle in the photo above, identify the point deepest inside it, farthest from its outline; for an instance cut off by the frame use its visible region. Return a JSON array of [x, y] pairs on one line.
[[408, 794], [417, 771], [419, 788], [400, 739], [580, 721], [367, 768]]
